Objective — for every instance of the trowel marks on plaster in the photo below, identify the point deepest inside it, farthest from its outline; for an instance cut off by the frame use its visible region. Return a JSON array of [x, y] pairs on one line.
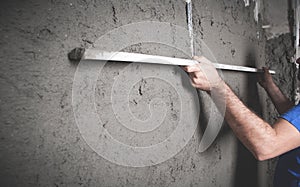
[[97, 136]]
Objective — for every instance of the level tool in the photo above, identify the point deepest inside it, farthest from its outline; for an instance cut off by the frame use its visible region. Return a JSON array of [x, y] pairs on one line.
[[78, 54]]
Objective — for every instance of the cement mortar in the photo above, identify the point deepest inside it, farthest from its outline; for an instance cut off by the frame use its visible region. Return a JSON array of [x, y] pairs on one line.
[[40, 142], [279, 54]]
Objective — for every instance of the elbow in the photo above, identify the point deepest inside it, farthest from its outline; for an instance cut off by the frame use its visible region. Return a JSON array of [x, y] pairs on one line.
[[266, 149], [262, 157], [264, 153]]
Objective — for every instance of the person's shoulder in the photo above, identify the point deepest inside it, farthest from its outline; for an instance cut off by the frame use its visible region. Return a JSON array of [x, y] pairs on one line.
[[297, 107], [294, 108], [293, 116]]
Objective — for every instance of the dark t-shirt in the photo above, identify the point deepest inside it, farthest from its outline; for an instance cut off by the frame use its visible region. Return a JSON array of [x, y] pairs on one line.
[[287, 172]]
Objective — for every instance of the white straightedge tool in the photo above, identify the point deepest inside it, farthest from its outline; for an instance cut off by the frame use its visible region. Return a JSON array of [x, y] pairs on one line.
[[93, 54]]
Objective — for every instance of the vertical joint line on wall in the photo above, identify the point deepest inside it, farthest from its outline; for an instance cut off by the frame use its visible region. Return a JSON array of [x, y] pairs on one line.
[[190, 24], [297, 44], [297, 27]]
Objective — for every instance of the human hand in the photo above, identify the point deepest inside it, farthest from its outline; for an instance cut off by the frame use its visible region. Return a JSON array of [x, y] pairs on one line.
[[265, 79], [203, 75]]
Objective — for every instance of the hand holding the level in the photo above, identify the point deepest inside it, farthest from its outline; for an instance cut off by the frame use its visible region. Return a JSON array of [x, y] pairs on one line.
[[265, 79], [204, 75]]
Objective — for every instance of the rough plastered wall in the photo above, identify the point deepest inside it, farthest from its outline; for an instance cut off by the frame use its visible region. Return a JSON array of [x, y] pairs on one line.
[[279, 53], [41, 144]]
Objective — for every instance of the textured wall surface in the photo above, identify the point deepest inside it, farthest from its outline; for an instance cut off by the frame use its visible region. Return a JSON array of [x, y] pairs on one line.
[[279, 53], [41, 144], [279, 10]]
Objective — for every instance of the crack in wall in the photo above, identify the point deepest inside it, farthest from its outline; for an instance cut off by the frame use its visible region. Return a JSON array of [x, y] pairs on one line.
[[142, 85], [115, 19]]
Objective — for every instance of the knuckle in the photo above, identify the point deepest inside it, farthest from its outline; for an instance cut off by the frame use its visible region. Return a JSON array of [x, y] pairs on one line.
[[195, 80], [189, 68], [202, 59], [194, 85], [197, 75]]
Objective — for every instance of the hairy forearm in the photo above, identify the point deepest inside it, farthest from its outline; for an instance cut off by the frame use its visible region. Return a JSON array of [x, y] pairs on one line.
[[253, 132], [280, 101], [263, 140]]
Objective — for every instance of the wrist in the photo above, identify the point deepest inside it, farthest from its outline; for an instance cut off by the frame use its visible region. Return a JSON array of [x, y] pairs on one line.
[[270, 87], [218, 87]]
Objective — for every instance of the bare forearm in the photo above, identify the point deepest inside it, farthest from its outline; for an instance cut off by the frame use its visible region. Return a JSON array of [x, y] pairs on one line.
[[280, 101], [253, 132], [257, 135]]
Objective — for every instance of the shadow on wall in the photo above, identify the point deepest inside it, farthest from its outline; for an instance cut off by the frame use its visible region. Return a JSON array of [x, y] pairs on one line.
[[247, 169]]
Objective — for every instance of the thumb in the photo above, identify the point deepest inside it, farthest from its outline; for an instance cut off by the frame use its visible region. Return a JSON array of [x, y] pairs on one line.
[[201, 59], [266, 71]]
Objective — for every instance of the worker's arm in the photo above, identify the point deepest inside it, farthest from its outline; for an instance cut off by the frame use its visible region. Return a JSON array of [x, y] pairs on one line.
[[257, 135], [281, 102]]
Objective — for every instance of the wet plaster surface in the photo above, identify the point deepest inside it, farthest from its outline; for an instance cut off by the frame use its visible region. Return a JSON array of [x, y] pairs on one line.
[[40, 142]]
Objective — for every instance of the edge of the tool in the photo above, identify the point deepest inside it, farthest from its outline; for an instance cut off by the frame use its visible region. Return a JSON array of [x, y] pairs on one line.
[[76, 54]]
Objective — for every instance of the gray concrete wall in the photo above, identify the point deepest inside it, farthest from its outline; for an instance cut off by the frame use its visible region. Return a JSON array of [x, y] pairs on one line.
[[279, 53], [41, 144], [276, 16]]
